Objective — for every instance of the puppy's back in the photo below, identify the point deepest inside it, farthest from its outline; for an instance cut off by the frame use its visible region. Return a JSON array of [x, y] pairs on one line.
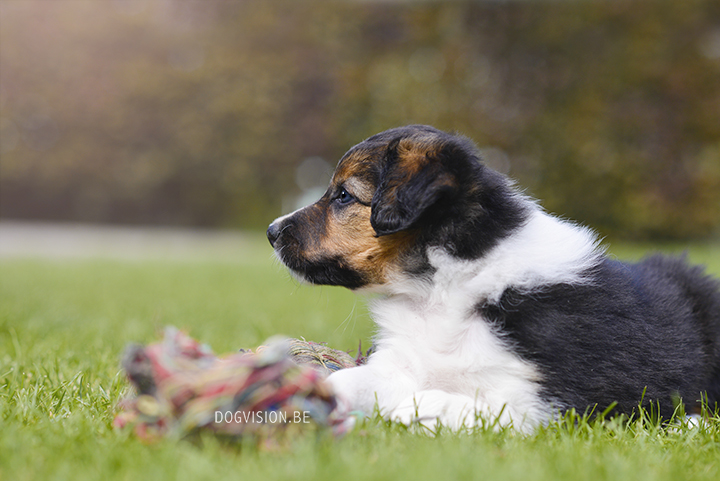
[[651, 327]]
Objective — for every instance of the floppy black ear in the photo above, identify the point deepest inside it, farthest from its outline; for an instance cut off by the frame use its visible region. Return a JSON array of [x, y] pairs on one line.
[[403, 197]]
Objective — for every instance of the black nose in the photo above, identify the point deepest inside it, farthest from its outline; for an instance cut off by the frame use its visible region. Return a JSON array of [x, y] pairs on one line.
[[273, 233]]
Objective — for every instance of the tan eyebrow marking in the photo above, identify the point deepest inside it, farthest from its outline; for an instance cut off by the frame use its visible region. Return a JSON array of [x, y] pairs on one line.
[[348, 165], [361, 190]]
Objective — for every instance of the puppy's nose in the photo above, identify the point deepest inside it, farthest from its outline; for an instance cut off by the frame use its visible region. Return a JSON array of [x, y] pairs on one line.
[[273, 233]]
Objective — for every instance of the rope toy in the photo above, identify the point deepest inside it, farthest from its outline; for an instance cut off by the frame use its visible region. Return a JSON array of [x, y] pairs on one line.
[[182, 388]]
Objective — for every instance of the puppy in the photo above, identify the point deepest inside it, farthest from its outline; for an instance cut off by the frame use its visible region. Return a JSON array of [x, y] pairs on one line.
[[489, 307]]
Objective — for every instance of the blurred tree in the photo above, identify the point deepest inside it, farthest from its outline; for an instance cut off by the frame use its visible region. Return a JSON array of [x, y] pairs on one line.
[[198, 113]]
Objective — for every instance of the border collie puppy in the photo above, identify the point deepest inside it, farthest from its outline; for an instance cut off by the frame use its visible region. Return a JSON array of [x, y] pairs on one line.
[[488, 305]]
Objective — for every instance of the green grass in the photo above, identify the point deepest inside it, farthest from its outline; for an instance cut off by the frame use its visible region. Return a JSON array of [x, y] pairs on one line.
[[64, 324]]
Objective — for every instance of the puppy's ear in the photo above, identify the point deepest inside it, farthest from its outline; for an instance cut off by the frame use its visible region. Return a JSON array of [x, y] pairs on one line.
[[414, 180]]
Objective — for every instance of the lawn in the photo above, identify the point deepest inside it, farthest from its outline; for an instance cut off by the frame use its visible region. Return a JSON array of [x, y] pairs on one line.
[[64, 324]]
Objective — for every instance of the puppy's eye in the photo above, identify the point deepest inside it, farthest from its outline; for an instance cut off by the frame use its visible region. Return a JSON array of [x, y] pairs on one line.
[[344, 197]]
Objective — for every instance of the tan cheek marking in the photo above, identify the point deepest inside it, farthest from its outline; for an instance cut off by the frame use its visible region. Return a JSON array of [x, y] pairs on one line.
[[352, 239]]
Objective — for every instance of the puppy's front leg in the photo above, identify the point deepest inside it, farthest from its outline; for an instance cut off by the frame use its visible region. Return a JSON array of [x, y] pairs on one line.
[[360, 388]]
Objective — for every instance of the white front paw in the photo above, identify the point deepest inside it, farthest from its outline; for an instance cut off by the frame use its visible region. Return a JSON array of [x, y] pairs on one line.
[[354, 389], [429, 408], [408, 414]]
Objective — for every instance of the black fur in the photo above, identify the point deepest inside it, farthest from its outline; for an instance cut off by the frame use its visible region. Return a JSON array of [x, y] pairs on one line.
[[651, 327], [331, 272]]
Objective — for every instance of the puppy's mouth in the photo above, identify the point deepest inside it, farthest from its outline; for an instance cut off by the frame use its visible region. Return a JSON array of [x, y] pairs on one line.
[[327, 271], [332, 271], [295, 272]]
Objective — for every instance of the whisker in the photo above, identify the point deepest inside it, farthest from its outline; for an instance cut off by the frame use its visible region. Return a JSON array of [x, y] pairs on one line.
[[347, 319]]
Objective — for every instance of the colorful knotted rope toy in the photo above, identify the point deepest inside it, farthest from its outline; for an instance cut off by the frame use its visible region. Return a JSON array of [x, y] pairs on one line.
[[183, 388]]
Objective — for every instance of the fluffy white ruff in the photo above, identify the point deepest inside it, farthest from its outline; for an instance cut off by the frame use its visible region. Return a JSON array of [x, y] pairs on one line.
[[437, 360]]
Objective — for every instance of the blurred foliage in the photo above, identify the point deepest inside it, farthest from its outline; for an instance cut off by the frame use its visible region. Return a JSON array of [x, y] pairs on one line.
[[198, 113]]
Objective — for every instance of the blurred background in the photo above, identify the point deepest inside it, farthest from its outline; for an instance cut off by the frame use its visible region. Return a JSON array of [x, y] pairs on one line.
[[225, 114]]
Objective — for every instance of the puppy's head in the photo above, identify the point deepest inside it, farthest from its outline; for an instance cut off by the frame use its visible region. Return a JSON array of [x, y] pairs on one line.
[[391, 197]]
